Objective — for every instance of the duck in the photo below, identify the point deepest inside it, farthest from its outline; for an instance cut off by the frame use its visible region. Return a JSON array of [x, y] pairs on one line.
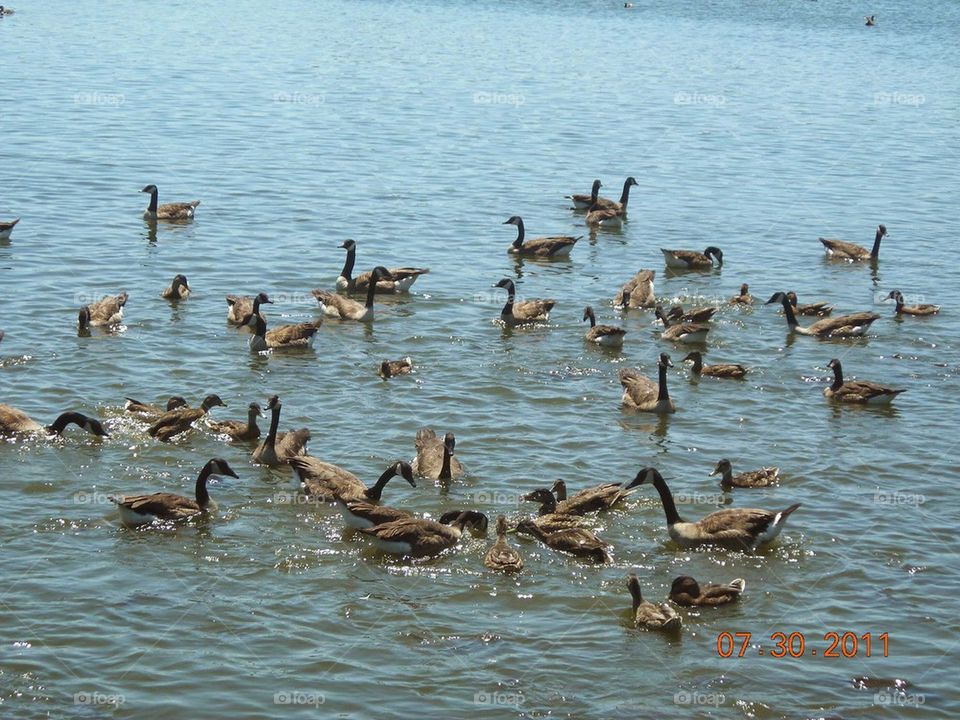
[[588, 500], [642, 394], [286, 337], [819, 309], [326, 482], [343, 308], [178, 290], [279, 448], [862, 392], [744, 298], [181, 419], [435, 457], [638, 291], [14, 421], [687, 592], [583, 202], [870, 20], [241, 308], [607, 335], [240, 430], [501, 556], [548, 518], [646, 615], [419, 537], [525, 311], [606, 213], [682, 332], [695, 315], [554, 246], [579, 542], [149, 411], [401, 279], [168, 211], [393, 368], [7, 227], [692, 260], [854, 325], [919, 310], [138, 510], [764, 477], [723, 370], [851, 252], [731, 528], [106, 311]]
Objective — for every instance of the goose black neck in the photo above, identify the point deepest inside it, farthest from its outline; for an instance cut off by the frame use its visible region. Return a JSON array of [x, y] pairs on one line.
[[625, 195], [837, 376], [561, 492], [697, 365], [788, 312], [376, 491], [635, 594], [348, 262], [445, 467], [65, 419], [726, 478], [875, 253], [153, 201], [898, 298], [252, 420], [372, 289], [521, 232], [663, 394], [511, 294], [592, 318], [274, 425], [666, 498], [203, 497], [594, 193]]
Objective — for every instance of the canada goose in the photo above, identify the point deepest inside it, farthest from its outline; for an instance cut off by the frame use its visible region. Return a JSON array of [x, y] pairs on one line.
[[168, 211], [392, 368], [819, 309], [106, 311], [764, 477], [724, 370], [544, 247], [147, 410], [418, 537], [7, 227], [17, 422], [181, 419], [608, 335], [870, 20], [525, 311], [683, 332], [241, 308], [695, 315], [178, 290], [402, 278], [326, 482], [435, 458], [688, 592], [548, 519], [638, 291], [575, 541], [840, 250], [240, 430], [583, 202], [857, 391], [648, 616], [606, 213], [853, 325], [588, 500], [343, 308], [359, 514], [733, 528], [142, 509], [285, 337], [501, 556], [642, 394], [277, 449], [691, 260], [923, 309], [744, 298]]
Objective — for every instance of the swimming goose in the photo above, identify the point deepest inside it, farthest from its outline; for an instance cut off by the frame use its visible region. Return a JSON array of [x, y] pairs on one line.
[[588, 500], [7, 227], [688, 592], [403, 278], [732, 528], [744, 298], [820, 309], [5, 11], [575, 541], [695, 315], [923, 309], [638, 291], [870, 20], [149, 411], [525, 311], [359, 514], [840, 250], [691, 260], [648, 616], [723, 370], [343, 308], [764, 477], [240, 430], [277, 449], [106, 311], [16, 422], [181, 419], [857, 391], [853, 325], [606, 213], [241, 308], [178, 289], [418, 537], [285, 337], [582, 202], [392, 368], [435, 458], [143, 509], [553, 246], [608, 335], [501, 556], [642, 394], [168, 211], [326, 482], [683, 332], [548, 519]]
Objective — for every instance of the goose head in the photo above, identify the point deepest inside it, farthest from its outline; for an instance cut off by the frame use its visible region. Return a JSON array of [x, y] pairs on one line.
[[595, 188], [273, 402], [834, 364], [506, 284], [723, 466], [348, 245], [380, 273], [589, 315], [882, 231], [263, 299], [631, 181], [540, 495], [404, 470], [255, 409], [219, 466], [385, 369], [894, 295], [502, 520], [665, 361], [716, 253], [518, 221], [91, 425], [685, 585], [466, 519], [645, 475], [694, 355], [449, 442], [175, 402], [180, 281], [94, 427], [744, 289], [149, 189], [83, 319], [778, 297], [211, 401], [559, 488]]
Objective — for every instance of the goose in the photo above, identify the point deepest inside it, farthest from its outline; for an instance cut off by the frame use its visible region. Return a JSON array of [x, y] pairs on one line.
[[5, 11], [106, 311], [525, 311], [575, 541], [240, 430], [691, 260], [392, 368], [724, 370], [870, 20], [343, 308], [606, 213], [502, 556], [840, 250], [178, 290], [402, 278], [168, 211], [16, 422], [143, 509], [853, 325], [607, 335], [857, 391], [147, 410], [923, 309], [646, 615], [687, 592], [820, 309], [241, 308], [285, 337], [553, 246], [326, 482], [638, 291], [642, 394], [277, 449], [358, 514], [583, 202], [548, 519], [695, 315], [588, 500], [732, 528], [181, 419], [419, 537], [7, 227], [764, 477], [744, 298], [435, 458], [683, 332]]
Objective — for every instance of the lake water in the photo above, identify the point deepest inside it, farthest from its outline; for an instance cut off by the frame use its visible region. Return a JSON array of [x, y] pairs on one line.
[[417, 128]]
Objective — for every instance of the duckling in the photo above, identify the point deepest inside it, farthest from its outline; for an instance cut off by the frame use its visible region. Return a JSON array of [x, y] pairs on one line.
[[7, 227], [326, 482], [583, 202], [853, 325], [286, 337], [524, 312], [725, 370], [605, 213], [393, 368], [435, 457], [638, 291], [143, 509], [870, 20], [343, 308], [682, 332], [106, 311], [402, 278], [16, 422], [178, 290], [696, 315], [851, 252], [418, 537], [642, 394], [691, 260], [181, 419], [857, 391], [688, 592], [923, 309], [732, 528], [239, 430], [553, 246], [241, 308], [648, 616], [548, 519], [502, 556], [744, 298], [608, 335], [764, 477], [820, 309], [168, 211], [277, 449], [579, 542], [148, 411], [588, 500]]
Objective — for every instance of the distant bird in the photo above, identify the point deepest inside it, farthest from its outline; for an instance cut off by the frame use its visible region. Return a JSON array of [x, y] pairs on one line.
[[583, 202], [178, 289], [688, 592], [343, 308], [642, 394], [402, 278], [285, 337], [764, 477], [692, 260], [279, 448], [744, 298], [871, 20], [723, 370], [16, 422], [181, 419], [648, 616], [525, 311], [7, 227], [104, 312], [638, 291], [919, 310], [841, 250], [501, 556], [4, 11], [435, 457], [168, 211], [628, 5], [393, 368], [553, 246], [241, 308], [853, 325], [607, 335], [861, 392]]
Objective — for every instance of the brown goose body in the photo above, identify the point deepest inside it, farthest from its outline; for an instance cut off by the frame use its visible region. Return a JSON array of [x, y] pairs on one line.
[[148, 411], [640, 393], [297, 336], [764, 477], [241, 308], [418, 537], [688, 592], [744, 298], [648, 616], [606, 213], [608, 335], [588, 500], [7, 227], [583, 202], [722, 370], [240, 430], [525, 312], [279, 448], [553, 246], [393, 368], [177, 290], [177, 421], [343, 308], [435, 457], [923, 309], [328, 482], [851, 252], [817, 309], [853, 325], [501, 556], [579, 542], [638, 291], [14, 421], [695, 315], [106, 311], [861, 392], [168, 211], [549, 518], [679, 331], [402, 277], [692, 260]]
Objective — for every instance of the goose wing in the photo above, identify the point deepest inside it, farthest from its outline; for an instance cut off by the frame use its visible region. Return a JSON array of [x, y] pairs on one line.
[[639, 290], [529, 310], [177, 210], [729, 370], [292, 335], [853, 324], [165, 506], [849, 250], [863, 391], [324, 480], [548, 245], [424, 537], [109, 309], [338, 306], [736, 524], [637, 389]]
